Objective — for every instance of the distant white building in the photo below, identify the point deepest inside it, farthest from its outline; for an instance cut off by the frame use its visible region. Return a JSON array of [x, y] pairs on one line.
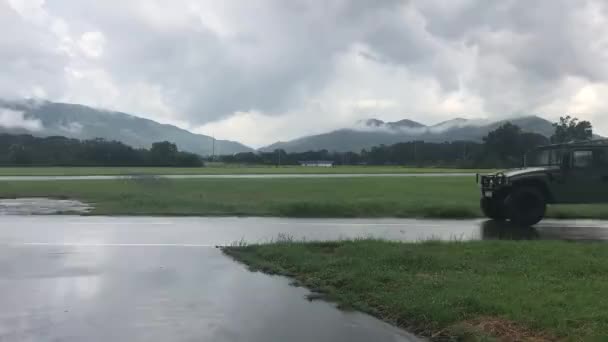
[[317, 163]]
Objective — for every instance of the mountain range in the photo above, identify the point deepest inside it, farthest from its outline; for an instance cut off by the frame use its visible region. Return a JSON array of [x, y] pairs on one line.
[[373, 132], [43, 118]]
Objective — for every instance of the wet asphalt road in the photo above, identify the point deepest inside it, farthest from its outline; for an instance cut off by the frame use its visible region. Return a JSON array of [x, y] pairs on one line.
[[58, 230], [160, 293], [251, 176], [71, 278]]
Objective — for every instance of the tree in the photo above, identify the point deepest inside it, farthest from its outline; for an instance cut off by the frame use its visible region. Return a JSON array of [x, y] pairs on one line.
[[531, 140], [504, 141], [186, 159], [163, 153], [19, 155], [61, 151], [507, 144], [571, 129]]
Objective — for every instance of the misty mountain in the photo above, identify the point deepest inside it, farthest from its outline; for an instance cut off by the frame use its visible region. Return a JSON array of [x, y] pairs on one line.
[[375, 123], [405, 123], [43, 118], [373, 132]]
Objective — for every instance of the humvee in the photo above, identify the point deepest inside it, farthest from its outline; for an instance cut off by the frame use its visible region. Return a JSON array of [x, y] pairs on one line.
[[565, 173]]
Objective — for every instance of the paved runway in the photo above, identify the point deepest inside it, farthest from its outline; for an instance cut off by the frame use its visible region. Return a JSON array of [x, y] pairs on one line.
[[75, 278]]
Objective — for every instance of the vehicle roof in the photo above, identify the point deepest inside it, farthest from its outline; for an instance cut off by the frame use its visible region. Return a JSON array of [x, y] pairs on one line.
[[576, 144]]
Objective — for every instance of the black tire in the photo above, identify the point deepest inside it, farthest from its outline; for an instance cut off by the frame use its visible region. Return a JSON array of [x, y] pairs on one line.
[[493, 208], [525, 206]]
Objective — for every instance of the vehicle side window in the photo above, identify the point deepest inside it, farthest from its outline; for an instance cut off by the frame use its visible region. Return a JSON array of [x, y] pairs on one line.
[[556, 157], [600, 158], [582, 159]]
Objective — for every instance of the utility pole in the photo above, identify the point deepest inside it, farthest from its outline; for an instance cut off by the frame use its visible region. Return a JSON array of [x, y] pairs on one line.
[[213, 147]]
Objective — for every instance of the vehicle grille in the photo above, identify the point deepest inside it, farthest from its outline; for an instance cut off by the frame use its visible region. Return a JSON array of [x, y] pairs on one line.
[[492, 181]]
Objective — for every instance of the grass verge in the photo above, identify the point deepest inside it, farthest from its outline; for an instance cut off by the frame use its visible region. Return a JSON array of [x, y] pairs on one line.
[[437, 197], [507, 290]]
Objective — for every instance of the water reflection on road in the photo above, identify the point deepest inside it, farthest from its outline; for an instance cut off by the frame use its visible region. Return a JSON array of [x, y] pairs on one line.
[[196, 231], [550, 230], [94, 278]]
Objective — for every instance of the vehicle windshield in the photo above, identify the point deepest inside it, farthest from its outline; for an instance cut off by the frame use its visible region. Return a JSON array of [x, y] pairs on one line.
[[544, 158]]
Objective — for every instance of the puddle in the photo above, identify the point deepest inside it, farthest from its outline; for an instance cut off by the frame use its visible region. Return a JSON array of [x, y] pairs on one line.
[[40, 206], [163, 294]]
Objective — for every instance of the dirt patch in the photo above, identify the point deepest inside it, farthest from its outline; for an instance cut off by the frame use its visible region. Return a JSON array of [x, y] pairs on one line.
[[502, 330], [41, 206]]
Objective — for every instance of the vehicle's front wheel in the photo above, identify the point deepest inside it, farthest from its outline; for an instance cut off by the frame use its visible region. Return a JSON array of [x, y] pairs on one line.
[[525, 206], [493, 208]]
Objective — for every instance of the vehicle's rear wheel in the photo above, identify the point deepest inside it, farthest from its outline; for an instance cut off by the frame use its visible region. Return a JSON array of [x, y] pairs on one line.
[[525, 206], [493, 208]]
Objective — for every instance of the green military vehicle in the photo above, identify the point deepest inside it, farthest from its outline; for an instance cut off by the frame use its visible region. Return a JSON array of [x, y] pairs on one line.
[[556, 174]]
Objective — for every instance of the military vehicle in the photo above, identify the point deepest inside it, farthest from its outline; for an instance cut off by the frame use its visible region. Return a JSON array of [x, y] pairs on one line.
[[569, 173]]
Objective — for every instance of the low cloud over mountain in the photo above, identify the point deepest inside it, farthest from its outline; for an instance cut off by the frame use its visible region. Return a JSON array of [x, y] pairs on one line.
[[44, 118], [373, 132], [272, 70]]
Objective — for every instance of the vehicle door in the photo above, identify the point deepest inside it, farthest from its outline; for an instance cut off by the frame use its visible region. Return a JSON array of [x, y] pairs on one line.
[[600, 163], [585, 178]]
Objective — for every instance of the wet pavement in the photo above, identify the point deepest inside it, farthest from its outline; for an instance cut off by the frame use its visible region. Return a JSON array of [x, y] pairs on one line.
[[41, 205], [70, 278], [252, 176], [84, 293], [76, 278], [221, 231]]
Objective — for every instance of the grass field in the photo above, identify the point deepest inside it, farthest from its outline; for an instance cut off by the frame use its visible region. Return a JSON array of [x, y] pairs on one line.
[[444, 197], [219, 170], [512, 291]]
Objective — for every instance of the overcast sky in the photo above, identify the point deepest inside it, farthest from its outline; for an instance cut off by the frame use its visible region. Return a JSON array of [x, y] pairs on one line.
[[262, 71]]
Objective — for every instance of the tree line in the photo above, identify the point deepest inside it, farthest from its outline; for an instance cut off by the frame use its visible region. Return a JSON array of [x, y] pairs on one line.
[[23, 150], [414, 153], [501, 148]]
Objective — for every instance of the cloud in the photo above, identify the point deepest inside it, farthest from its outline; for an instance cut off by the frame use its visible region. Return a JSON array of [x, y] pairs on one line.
[[92, 43], [71, 128], [31, 62], [264, 70], [11, 119]]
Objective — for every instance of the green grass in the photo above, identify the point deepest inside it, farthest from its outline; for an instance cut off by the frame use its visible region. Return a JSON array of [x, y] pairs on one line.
[[218, 170], [304, 197], [510, 290], [445, 197]]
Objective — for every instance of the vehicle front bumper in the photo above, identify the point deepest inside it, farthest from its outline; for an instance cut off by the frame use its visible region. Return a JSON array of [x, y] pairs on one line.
[[490, 183]]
